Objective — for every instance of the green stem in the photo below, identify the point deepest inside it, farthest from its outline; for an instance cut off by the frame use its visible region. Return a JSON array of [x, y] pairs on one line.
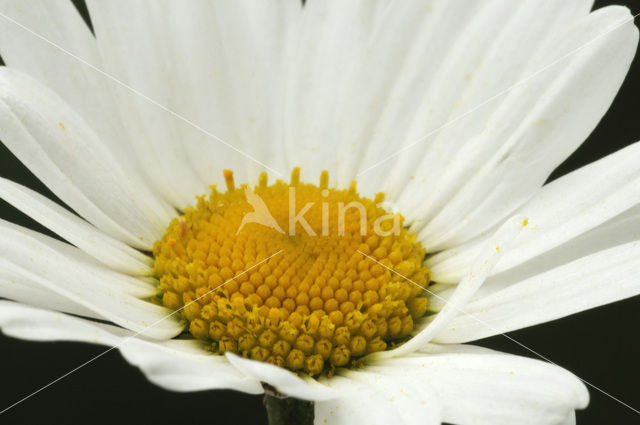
[[288, 410]]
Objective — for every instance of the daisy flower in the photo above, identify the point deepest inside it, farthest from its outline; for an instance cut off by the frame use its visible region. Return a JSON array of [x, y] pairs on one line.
[[171, 128]]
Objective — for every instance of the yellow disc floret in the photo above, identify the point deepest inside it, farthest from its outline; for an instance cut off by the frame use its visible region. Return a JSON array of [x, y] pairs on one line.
[[301, 276]]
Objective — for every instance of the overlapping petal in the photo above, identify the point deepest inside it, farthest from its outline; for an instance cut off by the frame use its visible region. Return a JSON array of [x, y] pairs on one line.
[[177, 365], [562, 211], [329, 86], [593, 280], [108, 251], [480, 386], [67, 155], [72, 274]]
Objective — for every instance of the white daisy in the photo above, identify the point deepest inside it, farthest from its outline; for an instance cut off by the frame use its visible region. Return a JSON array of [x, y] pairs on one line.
[[457, 110]]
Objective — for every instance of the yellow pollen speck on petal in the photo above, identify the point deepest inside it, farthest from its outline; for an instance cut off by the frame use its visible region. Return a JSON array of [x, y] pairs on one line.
[[338, 288]]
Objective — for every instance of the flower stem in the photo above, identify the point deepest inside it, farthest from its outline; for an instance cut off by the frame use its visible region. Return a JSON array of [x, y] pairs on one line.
[[288, 410]]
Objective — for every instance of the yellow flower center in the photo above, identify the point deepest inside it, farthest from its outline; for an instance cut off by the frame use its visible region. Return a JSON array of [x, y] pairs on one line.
[[296, 275]]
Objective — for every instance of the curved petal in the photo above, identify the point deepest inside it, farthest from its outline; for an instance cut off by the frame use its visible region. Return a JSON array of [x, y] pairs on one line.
[[476, 49], [50, 41], [570, 419], [329, 39], [16, 287], [35, 324], [559, 212], [221, 108], [470, 284], [379, 73], [481, 386], [538, 125], [282, 379], [70, 273], [256, 39], [132, 51], [359, 404], [588, 282], [103, 248], [374, 399], [176, 365], [184, 365], [63, 152]]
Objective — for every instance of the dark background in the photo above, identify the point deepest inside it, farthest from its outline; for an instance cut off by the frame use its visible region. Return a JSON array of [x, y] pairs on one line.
[[600, 345]]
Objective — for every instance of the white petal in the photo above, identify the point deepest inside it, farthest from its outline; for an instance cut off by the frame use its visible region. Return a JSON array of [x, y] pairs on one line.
[[103, 248], [25, 322], [415, 401], [192, 48], [560, 211], [470, 284], [17, 288], [283, 380], [177, 365], [460, 54], [537, 126], [570, 420], [332, 35], [588, 282], [68, 157], [69, 272], [131, 47], [224, 65], [480, 386], [368, 68], [617, 231], [373, 399], [23, 244], [183, 365], [49, 41], [407, 55], [359, 404], [255, 38]]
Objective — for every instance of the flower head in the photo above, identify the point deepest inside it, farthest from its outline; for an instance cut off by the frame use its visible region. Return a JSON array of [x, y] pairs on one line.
[[431, 126]]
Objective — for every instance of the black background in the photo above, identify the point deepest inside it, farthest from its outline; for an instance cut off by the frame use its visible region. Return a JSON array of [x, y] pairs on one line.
[[600, 345]]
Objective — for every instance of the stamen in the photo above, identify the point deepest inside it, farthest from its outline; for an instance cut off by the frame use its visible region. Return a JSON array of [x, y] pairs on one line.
[[353, 188], [295, 176], [324, 179], [263, 180], [228, 179]]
